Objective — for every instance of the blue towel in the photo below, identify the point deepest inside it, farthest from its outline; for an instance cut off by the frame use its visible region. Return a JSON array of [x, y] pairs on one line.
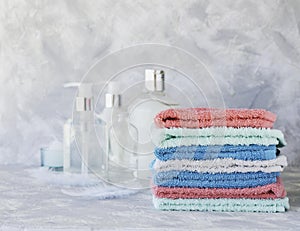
[[241, 152], [210, 180]]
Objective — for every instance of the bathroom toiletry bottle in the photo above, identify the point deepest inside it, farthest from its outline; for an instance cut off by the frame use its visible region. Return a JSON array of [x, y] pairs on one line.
[[82, 150], [142, 113], [122, 139], [112, 100]]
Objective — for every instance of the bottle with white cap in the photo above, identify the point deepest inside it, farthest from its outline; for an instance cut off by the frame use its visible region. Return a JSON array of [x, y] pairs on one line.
[[142, 113], [112, 102], [121, 138], [82, 151]]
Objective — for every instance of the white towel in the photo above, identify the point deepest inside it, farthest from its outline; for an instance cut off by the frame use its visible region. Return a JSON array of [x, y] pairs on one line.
[[227, 165]]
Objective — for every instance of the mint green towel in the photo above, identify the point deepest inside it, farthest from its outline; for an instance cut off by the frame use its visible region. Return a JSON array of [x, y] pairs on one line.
[[174, 137], [223, 205]]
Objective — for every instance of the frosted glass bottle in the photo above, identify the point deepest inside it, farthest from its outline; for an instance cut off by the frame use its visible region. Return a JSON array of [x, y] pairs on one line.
[[142, 113]]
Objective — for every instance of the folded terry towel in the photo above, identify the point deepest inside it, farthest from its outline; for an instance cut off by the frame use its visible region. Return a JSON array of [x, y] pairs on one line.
[[208, 117], [227, 165], [196, 152], [269, 191], [213, 180], [223, 205], [174, 137]]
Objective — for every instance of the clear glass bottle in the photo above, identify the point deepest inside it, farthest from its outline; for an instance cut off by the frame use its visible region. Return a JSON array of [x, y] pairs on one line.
[[142, 113], [82, 151], [122, 139], [122, 148]]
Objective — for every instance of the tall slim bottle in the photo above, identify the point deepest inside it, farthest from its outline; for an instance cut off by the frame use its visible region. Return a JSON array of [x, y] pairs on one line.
[[121, 139], [82, 151]]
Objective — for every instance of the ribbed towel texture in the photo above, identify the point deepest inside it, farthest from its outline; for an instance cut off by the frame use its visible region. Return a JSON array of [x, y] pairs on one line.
[[223, 205], [213, 180], [274, 190], [196, 152], [175, 137], [227, 165], [219, 160], [212, 117]]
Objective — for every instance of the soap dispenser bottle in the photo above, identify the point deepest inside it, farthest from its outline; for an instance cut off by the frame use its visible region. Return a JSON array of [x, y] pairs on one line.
[[82, 150], [142, 113]]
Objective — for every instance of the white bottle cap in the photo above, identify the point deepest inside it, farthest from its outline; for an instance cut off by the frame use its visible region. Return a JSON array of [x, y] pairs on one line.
[[114, 87], [85, 90], [154, 80]]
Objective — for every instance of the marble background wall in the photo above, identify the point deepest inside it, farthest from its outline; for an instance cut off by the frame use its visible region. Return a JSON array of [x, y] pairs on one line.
[[252, 48]]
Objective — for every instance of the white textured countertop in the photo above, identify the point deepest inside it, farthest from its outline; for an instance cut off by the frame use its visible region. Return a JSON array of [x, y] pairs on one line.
[[28, 204]]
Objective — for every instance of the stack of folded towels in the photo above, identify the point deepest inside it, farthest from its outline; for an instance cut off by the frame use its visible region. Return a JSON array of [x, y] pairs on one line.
[[219, 160]]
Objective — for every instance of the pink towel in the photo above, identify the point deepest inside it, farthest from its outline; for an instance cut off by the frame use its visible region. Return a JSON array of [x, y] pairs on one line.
[[210, 117], [270, 191]]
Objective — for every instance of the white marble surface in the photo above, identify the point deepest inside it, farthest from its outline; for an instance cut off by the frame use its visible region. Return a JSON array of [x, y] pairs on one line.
[[27, 203], [252, 48]]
